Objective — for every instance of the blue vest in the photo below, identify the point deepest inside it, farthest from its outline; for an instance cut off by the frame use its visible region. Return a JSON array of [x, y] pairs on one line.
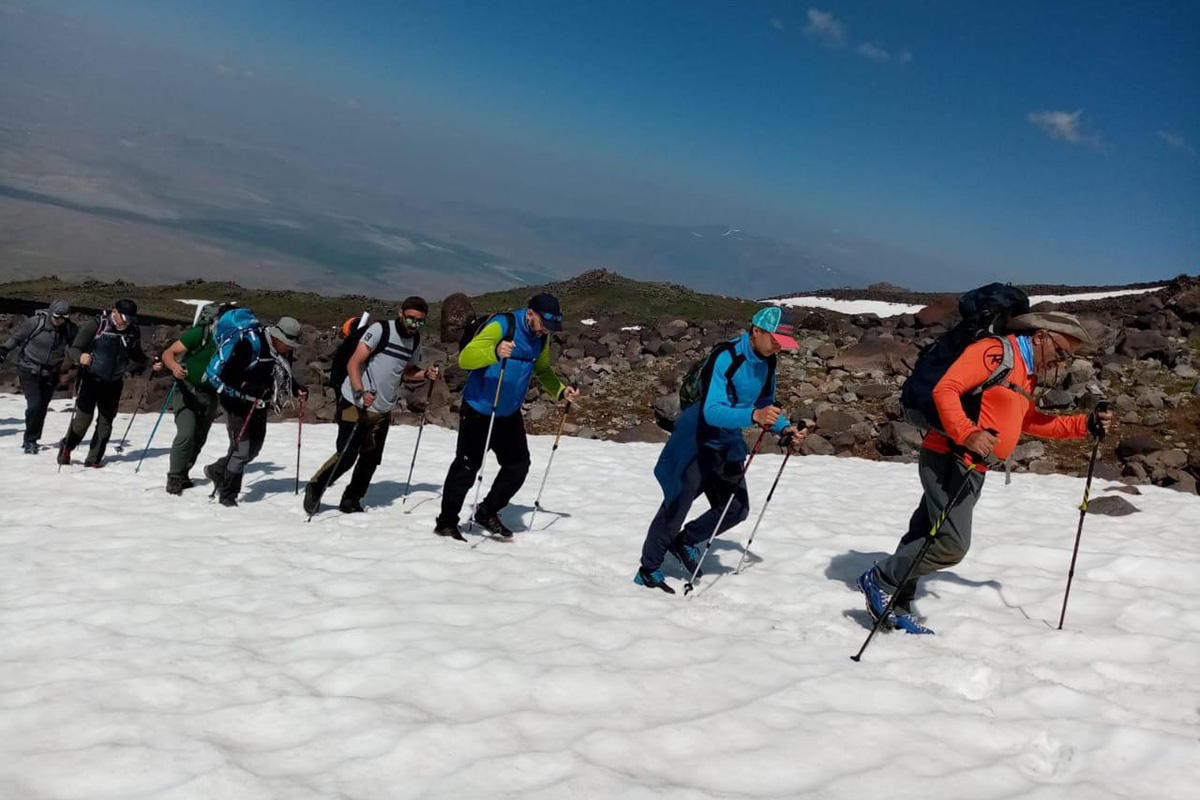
[[480, 391]]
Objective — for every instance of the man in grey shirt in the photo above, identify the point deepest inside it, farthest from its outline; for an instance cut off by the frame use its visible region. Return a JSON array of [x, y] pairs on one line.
[[41, 342], [384, 360]]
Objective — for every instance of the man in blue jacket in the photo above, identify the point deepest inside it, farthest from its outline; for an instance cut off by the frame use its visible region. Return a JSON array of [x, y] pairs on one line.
[[518, 341], [706, 451]]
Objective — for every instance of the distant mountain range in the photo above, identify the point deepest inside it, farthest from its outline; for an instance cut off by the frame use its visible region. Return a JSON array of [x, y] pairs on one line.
[[162, 207]]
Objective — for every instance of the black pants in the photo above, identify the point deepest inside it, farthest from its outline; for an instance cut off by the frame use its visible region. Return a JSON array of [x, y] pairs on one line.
[[718, 480], [38, 389], [241, 451], [360, 439], [100, 398], [511, 449]]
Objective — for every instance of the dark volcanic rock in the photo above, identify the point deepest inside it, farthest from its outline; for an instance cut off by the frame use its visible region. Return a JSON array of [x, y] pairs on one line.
[[456, 310], [877, 354], [1111, 506]]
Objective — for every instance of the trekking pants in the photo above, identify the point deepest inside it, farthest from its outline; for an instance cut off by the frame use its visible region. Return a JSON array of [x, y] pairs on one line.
[[38, 389], [194, 409], [718, 480], [941, 476], [362, 450], [511, 449], [95, 397], [242, 452]]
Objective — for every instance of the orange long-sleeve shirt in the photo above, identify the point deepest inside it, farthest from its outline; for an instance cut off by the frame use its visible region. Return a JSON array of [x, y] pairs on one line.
[[1003, 410]]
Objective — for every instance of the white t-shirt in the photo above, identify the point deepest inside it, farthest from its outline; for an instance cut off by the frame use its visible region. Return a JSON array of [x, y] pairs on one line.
[[383, 372]]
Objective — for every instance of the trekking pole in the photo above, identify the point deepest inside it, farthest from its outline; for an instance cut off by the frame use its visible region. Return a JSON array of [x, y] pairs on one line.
[[537, 504], [1087, 489], [421, 429], [299, 437], [937, 526], [763, 510], [341, 454], [120, 448], [237, 440], [487, 442], [154, 430], [687, 587]]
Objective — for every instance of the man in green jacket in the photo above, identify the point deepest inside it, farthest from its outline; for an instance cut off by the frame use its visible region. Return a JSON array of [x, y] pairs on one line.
[[195, 402]]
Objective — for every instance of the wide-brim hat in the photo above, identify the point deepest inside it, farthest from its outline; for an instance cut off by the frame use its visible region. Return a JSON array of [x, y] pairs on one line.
[[1054, 322], [287, 330]]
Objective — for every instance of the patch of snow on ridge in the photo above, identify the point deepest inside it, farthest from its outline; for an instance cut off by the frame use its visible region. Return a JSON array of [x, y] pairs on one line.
[[588, 321], [885, 309], [159, 646]]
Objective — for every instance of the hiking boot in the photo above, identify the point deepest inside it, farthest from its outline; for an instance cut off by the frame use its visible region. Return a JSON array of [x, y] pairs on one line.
[[652, 580], [186, 483], [689, 556], [87, 462], [350, 505], [214, 473], [488, 520], [230, 489], [64, 455], [229, 501], [905, 621], [312, 499], [30, 448], [876, 598], [174, 484], [452, 531]]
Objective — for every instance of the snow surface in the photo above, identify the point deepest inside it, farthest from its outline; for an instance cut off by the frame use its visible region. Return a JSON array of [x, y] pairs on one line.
[[589, 321], [154, 646], [882, 309]]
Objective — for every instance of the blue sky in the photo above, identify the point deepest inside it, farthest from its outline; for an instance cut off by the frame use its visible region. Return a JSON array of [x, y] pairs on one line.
[[1022, 140]]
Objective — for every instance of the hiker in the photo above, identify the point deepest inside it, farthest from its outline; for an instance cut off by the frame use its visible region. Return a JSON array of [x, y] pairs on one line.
[[250, 372], [41, 343], [194, 403], [103, 348], [1042, 341], [706, 452], [516, 343], [383, 358]]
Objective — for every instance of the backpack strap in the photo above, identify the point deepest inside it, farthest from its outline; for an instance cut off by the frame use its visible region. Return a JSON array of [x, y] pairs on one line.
[[999, 376], [735, 363]]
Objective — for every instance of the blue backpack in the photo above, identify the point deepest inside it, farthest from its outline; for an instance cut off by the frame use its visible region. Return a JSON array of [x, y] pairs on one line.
[[231, 328]]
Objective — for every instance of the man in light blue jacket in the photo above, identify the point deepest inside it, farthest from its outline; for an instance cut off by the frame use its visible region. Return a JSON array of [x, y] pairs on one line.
[[706, 451]]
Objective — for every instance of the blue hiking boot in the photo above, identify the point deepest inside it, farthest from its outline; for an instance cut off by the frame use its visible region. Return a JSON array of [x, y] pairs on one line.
[[689, 556], [877, 599], [905, 621], [652, 580]]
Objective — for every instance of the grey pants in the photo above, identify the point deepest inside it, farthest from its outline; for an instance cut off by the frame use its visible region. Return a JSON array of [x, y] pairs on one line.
[[942, 474]]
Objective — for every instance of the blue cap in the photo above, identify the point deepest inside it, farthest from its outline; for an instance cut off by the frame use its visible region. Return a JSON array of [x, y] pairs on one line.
[[770, 319]]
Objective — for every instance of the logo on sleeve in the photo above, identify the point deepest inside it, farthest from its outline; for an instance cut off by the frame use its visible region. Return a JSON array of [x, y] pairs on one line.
[[993, 356]]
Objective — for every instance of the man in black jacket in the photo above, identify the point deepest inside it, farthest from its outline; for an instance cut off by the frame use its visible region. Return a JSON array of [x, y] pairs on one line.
[[256, 375], [103, 349], [41, 343]]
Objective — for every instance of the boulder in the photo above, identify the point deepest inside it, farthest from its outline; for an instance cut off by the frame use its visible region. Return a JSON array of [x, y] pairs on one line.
[[1029, 451], [942, 311], [899, 438], [875, 391], [645, 432], [456, 310], [877, 354], [1057, 398], [1111, 506], [834, 421], [816, 445], [1163, 460], [1139, 444], [1145, 344]]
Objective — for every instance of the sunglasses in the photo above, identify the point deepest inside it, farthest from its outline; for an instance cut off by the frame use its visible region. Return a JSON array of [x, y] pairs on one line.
[[414, 322], [1060, 354], [546, 315]]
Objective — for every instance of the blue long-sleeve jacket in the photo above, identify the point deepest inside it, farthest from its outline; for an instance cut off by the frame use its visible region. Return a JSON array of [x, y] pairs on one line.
[[716, 421]]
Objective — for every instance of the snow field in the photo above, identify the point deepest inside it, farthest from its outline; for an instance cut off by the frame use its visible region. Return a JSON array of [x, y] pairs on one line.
[[153, 646], [883, 309]]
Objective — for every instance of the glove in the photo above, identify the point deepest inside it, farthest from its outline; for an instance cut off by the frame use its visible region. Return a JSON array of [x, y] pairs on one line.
[[1094, 424]]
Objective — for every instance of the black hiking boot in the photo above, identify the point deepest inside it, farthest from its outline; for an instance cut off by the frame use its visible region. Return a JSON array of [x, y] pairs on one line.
[[30, 448], [93, 464], [186, 483], [64, 454], [230, 489], [449, 530], [689, 556], [652, 580], [214, 473], [350, 505], [174, 484], [312, 499], [488, 520]]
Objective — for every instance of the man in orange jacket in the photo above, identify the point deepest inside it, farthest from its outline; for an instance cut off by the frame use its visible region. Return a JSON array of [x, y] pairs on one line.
[[1041, 341]]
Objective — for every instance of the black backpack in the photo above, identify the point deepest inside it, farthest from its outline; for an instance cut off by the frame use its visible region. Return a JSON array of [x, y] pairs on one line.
[[696, 380], [338, 371], [985, 314], [477, 323]]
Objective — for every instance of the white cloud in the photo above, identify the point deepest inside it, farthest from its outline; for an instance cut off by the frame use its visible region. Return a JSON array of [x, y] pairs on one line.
[[777, 24], [1176, 141], [1065, 125], [822, 25], [904, 57], [353, 104], [873, 52], [226, 71]]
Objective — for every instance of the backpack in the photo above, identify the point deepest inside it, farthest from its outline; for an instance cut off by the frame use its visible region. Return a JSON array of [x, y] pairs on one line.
[[231, 328], [479, 321], [985, 314], [695, 381], [339, 370]]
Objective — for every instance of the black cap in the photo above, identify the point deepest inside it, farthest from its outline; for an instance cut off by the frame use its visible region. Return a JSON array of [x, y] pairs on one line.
[[128, 309], [546, 306]]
